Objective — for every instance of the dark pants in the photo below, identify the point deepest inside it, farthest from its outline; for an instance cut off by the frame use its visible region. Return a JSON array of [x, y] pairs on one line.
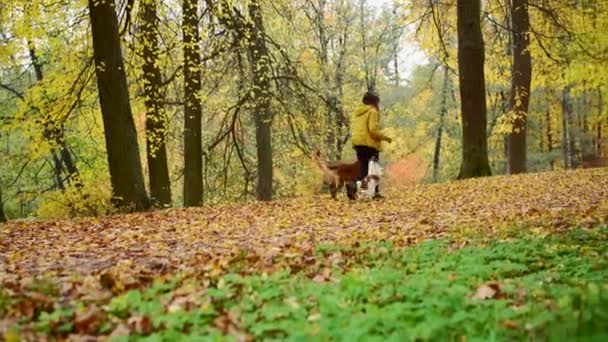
[[364, 155]]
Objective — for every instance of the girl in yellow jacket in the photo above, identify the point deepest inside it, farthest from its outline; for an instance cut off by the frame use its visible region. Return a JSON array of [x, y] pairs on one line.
[[366, 135]]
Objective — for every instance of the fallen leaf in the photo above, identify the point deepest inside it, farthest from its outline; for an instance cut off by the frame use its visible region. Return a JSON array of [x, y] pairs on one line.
[[140, 324], [488, 291], [120, 330], [89, 321]]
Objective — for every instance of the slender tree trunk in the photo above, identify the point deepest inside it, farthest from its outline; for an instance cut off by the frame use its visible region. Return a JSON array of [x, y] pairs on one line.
[[119, 129], [585, 111], [331, 112], [261, 72], [572, 149], [330, 133], [566, 128], [598, 136], [156, 123], [520, 86], [57, 171], [396, 66], [193, 144], [341, 122], [2, 215], [472, 90], [549, 135], [442, 113], [70, 166]]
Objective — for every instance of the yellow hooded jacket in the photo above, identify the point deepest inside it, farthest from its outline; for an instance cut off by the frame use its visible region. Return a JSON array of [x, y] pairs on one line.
[[365, 123]]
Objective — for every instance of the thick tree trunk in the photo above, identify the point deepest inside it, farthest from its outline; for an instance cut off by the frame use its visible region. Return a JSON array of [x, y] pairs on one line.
[[521, 77], [442, 113], [156, 124], [472, 91], [193, 144], [261, 72], [121, 138], [2, 215]]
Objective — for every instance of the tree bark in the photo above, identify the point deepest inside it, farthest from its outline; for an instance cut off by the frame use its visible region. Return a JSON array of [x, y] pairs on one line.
[[2, 215], [521, 77], [598, 137], [119, 129], [193, 144], [549, 135], [567, 139], [261, 72], [472, 91], [396, 66], [442, 112], [156, 123]]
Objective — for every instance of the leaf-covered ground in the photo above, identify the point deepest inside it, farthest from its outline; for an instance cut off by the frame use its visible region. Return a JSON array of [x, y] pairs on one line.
[[496, 258]]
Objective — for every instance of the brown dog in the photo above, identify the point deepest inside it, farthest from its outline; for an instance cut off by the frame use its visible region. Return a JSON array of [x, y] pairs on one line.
[[337, 174]]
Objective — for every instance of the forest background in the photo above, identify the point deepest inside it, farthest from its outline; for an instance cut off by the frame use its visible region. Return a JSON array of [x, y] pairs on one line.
[[225, 101]]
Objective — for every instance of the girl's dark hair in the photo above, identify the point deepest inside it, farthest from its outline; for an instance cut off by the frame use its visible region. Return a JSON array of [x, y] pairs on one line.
[[371, 99]]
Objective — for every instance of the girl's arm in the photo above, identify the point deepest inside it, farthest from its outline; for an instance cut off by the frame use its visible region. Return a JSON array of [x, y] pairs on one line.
[[373, 126]]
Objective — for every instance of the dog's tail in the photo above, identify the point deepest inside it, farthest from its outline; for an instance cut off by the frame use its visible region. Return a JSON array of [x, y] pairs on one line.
[[329, 175]]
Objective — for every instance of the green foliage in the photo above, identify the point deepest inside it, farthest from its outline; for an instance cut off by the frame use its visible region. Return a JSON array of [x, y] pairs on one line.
[[542, 288], [56, 322]]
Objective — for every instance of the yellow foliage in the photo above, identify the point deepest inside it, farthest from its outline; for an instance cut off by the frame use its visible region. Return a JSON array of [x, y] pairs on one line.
[[93, 199]]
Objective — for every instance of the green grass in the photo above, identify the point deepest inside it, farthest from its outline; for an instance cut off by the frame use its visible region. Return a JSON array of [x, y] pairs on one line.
[[554, 288]]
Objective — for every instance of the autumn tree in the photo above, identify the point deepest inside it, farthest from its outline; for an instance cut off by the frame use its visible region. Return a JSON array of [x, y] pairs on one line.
[[262, 111], [53, 133], [443, 110], [156, 121], [332, 22], [119, 129], [472, 91], [193, 144], [521, 76]]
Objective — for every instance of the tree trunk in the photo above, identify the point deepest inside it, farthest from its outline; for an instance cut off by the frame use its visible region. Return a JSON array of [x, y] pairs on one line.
[[442, 113], [549, 135], [521, 77], [70, 166], [57, 171], [598, 137], [2, 215], [330, 105], [341, 121], [396, 66], [261, 72], [156, 123], [566, 129], [119, 129], [193, 144], [342, 127], [472, 91]]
